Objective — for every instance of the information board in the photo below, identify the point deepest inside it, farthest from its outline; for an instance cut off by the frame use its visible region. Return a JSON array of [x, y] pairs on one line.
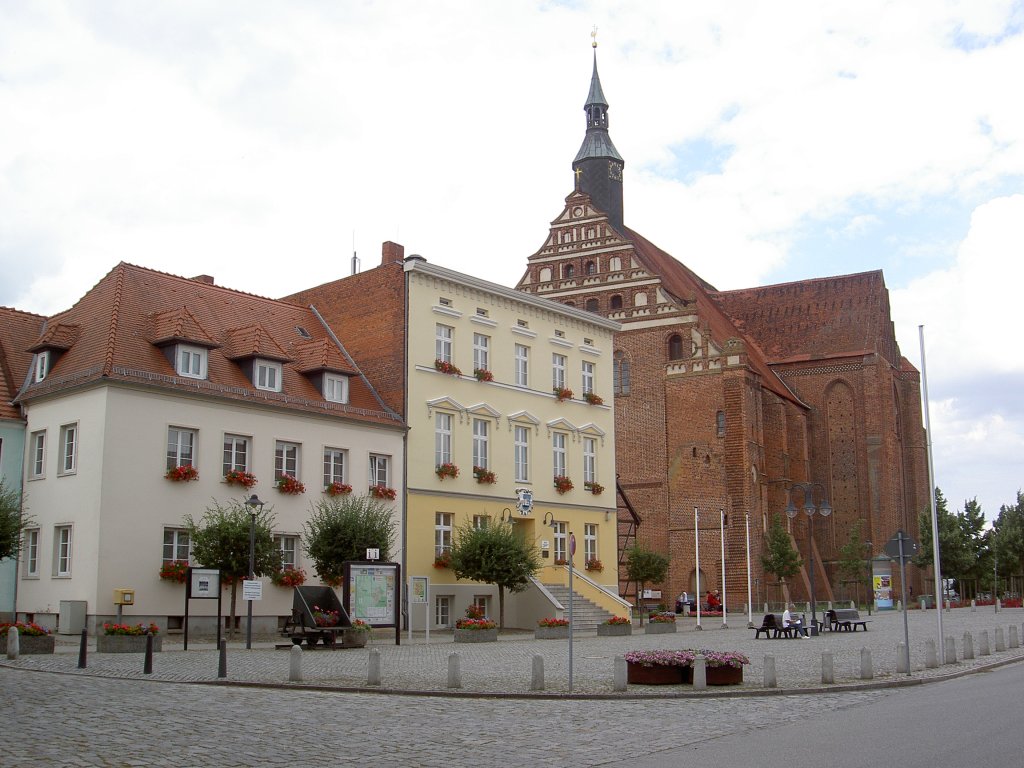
[[371, 590]]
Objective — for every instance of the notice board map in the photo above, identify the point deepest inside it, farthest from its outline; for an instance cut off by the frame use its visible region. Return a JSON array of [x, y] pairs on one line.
[[372, 588]]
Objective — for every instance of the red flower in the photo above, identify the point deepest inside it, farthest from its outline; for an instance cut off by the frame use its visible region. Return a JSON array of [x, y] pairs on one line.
[[184, 473]]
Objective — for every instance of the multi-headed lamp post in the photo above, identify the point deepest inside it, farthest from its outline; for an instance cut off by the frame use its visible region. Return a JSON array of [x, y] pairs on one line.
[[824, 509], [252, 503]]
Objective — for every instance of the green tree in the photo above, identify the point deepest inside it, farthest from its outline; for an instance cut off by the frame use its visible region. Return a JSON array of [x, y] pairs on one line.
[[645, 567], [977, 556], [341, 528], [1008, 537], [852, 563], [779, 555], [494, 554], [12, 521], [221, 540], [956, 557]]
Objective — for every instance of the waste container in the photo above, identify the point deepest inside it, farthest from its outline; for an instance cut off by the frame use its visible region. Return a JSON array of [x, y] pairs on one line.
[[927, 601], [71, 620]]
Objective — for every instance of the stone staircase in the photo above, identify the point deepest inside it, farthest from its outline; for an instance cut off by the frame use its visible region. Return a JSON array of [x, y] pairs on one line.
[[585, 614]]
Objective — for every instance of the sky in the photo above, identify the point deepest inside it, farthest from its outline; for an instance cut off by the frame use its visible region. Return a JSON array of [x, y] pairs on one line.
[[264, 142]]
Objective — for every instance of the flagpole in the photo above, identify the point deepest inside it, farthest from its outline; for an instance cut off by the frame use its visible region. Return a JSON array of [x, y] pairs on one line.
[[936, 557]]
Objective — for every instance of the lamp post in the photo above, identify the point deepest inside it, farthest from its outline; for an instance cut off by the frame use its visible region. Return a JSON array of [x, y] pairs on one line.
[[824, 509], [696, 552], [871, 579], [252, 503]]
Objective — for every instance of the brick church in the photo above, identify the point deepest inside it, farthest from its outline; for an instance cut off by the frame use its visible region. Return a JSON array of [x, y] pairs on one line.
[[737, 402]]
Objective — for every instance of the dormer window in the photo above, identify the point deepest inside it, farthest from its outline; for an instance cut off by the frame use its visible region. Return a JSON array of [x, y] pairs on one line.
[[267, 375], [191, 361], [335, 388], [42, 366]]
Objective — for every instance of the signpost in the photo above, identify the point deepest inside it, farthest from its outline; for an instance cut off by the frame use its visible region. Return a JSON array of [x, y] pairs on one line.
[[202, 584], [419, 594], [902, 547]]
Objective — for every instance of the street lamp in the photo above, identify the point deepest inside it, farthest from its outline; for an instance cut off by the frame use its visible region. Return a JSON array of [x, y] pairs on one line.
[[824, 509], [252, 503], [871, 578]]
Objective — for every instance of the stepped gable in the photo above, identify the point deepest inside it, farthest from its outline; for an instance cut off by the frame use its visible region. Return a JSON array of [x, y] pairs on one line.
[[18, 331], [121, 319], [689, 288], [817, 319]]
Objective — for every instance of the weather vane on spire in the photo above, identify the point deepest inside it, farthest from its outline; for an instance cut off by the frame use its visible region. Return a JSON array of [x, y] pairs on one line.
[[593, 34]]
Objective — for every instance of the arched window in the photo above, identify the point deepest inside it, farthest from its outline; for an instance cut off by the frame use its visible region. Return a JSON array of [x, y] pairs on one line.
[[640, 300], [614, 264], [620, 370], [591, 268], [568, 270], [545, 275], [616, 302], [591, 305], [675, 347], [720, 423]]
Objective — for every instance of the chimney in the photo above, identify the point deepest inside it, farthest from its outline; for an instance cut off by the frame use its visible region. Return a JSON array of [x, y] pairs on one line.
[[391, 252], [205, 279]]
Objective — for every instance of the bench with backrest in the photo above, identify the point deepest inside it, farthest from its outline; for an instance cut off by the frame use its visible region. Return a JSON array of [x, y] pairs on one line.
[[771, 626], [845, 620]]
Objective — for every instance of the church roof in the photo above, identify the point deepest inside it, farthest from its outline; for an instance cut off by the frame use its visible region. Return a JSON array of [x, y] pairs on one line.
[[597, 143]]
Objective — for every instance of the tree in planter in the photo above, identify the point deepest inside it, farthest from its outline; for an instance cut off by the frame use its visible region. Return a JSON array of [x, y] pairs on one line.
[[852, 562], [12, 521], [221, 540], [494, 554], [779, 556], [645, 567], [341, 528]]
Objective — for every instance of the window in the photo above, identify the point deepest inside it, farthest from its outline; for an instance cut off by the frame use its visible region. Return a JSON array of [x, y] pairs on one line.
[[379, 473], [675, 347], [616, 302], [522, 454], [191, 362], [558, 371], [334, 466], [720, 423], [522, 365], [286, 460], [442, 439], [589, 460], [614, 264], [62, 550], [481, 440], [37, 457], [335, 388], [443, 611], [558, 453], [289, 546], [236, 453], [561, 541], [481, 352], [568, 271], [589, 542], [588, 377], [620, 367], [592, 305], [32, 552], [268, 375], [180, 447], [176, 545], [41, 366], [443, 525], [483, 604], [481, 521], [591, 267], [443, 343], [68, 449]]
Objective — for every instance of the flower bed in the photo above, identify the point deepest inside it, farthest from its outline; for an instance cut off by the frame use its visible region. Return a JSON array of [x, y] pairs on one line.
[[475, 631], [182, 474], [238, 477], [660, 627], [648, 667], [128, 638], [616, 626], [33, 639], [664, 617], [552, 629]]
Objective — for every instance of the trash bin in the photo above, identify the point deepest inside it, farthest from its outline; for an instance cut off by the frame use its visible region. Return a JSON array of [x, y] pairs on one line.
[[71, 620], [927, 601]]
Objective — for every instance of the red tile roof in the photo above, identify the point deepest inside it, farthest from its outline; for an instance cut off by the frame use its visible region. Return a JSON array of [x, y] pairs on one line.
[[18, 331]]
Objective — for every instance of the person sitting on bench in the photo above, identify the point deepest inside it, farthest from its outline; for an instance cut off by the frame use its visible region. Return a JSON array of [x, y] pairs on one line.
[[790, 621]]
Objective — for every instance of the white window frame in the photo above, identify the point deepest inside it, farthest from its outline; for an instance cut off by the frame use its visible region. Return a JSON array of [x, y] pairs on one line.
[[235, 447], [443, 611], [288, 544], [62, 541], [335, 465], [481, 351], [442, 438], [444, 336], [589, 542], [287, 457], [191, 362], [181, 452], [31, 553], [177, 546], [68, 449], [561, 538], [558, 363], [335, 388], [41, 366], [267, 375], [522, 358], [481, 521], [37, 455], [380, 469], [587, 376], [444, 526], [589, 460], [558, 441], [481, 443], [521, 450]]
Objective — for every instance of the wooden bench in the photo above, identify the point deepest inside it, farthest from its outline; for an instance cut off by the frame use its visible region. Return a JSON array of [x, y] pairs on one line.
[[845, 620], [773, 624]]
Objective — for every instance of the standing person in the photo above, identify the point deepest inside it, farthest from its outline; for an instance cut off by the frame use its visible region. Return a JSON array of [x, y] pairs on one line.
[[790, 621], [683, 603]]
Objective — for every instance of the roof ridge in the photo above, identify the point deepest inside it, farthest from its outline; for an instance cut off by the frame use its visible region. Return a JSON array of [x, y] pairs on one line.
[[824, 279], [115, 309]]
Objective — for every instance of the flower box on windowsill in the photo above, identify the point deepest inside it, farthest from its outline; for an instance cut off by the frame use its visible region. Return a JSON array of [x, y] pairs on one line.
[[289, 577], [182, 474], [562, 393], [338, 489], [594, 565], [288, 484], [446, 367], [383, 492], [563, 484], [595, 488], [482, 374], [593, 398], [238, 477], [446, 470], [484, 476]]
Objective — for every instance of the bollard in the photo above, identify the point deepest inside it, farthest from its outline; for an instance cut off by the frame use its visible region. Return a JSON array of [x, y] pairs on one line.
[[931, 658], [828, 674], [770, 678], [620, 673], [454, 670], [999, 604], [222, 659], [700, 672], [1000, 643], [295, 664], [867, 671], [983, 649], [147, 663], [968, 646], [1014, 640], [950, 651], [902, 662], [83, 649], [373, 668], [537, 674], [13, 643], [974, 603]]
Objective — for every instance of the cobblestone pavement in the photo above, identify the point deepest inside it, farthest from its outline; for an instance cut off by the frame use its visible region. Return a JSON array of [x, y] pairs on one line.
[[110, 714]]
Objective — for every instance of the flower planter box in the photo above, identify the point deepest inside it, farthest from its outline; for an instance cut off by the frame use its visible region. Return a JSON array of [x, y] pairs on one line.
[[551, 633], [724, 675], [29, 644], [638, 674], [476, 635], [354, 638], [660, 628], [614, 630], [127, 643]]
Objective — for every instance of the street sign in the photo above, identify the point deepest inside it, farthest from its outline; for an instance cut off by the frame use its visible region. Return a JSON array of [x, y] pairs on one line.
[[910, 547], [372, 553], [252, 590], [572, 543]]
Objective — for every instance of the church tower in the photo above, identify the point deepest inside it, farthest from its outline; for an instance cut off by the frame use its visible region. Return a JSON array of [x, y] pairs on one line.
[[598, 165]]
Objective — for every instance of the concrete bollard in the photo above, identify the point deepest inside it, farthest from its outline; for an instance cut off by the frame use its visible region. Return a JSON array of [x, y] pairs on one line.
[[853, 605], [902, 662], [700, 672], [828, 674], [899, 605], [295, 665], [867, 671], [983, 649], [1000, 642], [222, 659], [999, 605], [968, 642], [931, 658], [83, 649], [765, 610], [373, 668], [770, 678], [1014, 640], [13, 647], [950, 650], [537, 674], [454, 670], [974, 604], [620, 674]]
